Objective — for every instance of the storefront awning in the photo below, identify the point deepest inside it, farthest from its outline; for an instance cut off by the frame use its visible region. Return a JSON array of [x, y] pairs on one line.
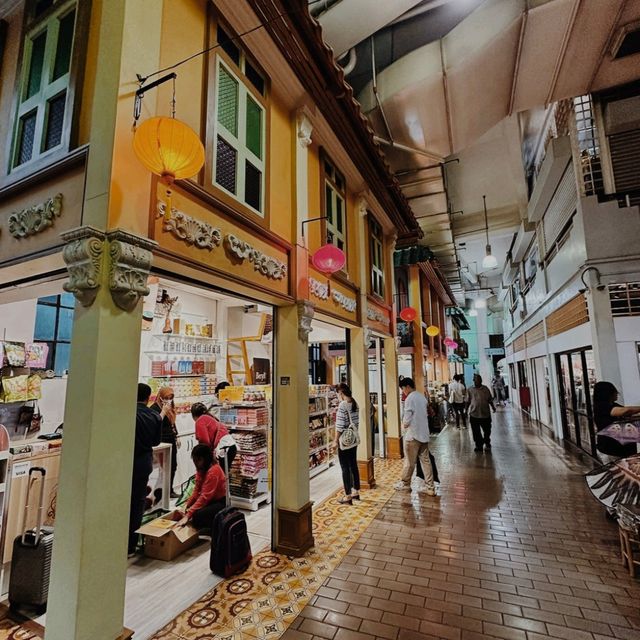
[[458, 318], [412, 255]]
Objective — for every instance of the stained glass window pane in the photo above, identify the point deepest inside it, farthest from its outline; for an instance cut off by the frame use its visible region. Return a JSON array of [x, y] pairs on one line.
[[254, 127], [226, 157], [36, 64], [252, 186], [55, 121], [45, 323], [228, 101], [65, 324], [26, 137], [63, 351], [65, 43]]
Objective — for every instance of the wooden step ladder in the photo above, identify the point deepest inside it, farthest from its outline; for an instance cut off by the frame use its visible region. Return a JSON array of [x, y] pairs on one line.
[[238, 361]]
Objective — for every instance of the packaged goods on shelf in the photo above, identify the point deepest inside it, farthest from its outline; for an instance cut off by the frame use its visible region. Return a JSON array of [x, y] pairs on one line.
[[243, 487], [251, 440]]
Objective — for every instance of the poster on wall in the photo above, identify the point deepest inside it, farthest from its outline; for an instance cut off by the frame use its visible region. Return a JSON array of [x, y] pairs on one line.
[[261, 371]]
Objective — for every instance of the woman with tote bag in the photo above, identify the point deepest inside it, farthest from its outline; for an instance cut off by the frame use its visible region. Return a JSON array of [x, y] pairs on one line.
[[347, 441]]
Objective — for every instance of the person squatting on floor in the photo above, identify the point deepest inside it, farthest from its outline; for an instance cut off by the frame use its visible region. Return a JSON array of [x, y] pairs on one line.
[[480, 402], [415, 433]]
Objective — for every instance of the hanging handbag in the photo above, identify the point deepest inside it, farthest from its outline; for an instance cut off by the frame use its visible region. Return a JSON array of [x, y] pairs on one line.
[[349, 438], [36, 420]]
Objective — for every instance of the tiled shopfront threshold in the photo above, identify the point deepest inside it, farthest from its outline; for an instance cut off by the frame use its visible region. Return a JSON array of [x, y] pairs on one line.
[[269, 596]]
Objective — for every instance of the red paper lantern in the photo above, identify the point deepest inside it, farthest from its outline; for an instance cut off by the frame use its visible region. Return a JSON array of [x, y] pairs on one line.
[[328, 259], [408, 314]]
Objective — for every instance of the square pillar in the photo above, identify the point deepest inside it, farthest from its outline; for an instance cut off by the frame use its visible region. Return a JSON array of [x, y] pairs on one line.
[[293, 533], [393, 439], [108, 275]]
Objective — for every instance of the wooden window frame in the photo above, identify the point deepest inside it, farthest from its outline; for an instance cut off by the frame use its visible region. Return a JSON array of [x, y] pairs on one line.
[[69, 136], [53, 344], [220, 57], [328, 180], [375, 269]]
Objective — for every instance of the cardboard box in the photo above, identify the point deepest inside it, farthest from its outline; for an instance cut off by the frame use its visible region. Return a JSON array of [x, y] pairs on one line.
[[164, 540]]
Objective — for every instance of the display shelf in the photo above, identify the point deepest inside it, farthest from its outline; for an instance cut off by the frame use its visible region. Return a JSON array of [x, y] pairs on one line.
[[182, 336], [317, 450], [317, 414], [252, 504], [314, 471], [253, 452]]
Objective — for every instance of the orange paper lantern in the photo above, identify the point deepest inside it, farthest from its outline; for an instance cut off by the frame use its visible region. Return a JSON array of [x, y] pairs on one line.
[[170, 149]]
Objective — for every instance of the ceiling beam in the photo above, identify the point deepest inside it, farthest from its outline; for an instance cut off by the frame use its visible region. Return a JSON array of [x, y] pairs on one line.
[[563, 49], [516, 68], [606, 45]]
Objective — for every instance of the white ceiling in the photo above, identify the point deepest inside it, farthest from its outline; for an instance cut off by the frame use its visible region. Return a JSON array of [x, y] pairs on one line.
[[464, 95]]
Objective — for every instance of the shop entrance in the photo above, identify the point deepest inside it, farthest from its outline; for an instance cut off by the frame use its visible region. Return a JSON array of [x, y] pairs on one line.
[[377, 396]]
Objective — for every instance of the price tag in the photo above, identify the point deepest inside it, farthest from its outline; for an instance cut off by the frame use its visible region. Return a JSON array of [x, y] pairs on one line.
[[20, 469]]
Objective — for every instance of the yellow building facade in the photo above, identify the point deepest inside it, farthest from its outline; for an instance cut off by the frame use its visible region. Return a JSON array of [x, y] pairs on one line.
[[284, 144]]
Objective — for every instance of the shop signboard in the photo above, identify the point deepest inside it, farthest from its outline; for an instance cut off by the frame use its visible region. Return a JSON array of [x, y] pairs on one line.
[[332, 297], [494, 351]]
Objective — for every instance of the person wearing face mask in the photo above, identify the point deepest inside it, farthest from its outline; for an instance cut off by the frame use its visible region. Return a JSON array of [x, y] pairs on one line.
[[209, 493], [347, 414], [164, 398]]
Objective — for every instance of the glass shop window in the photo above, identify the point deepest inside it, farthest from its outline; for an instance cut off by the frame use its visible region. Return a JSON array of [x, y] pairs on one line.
[[54, 325]]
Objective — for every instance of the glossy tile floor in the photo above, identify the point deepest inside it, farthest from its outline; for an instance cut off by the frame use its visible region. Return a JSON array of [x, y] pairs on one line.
[[513, 548]]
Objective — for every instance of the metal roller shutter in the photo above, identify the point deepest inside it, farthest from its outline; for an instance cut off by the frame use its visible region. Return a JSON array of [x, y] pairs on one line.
[[562, 206], [625, 159]]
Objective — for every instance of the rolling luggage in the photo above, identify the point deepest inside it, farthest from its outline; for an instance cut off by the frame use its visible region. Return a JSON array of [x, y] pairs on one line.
[[230, 546], [31, 562]]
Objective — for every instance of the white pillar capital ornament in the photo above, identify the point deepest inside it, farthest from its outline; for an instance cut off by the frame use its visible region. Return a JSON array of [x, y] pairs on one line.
[[130, 262], [83, 257], [304, 127], [362, 206], [305, 317]]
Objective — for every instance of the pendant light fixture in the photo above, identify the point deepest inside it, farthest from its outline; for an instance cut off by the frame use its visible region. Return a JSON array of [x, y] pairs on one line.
[[489, 261]]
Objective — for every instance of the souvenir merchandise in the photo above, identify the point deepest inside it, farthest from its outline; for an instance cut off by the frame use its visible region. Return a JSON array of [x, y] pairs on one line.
[[36, 355], [34, 387], [15, 354], [15, 389]]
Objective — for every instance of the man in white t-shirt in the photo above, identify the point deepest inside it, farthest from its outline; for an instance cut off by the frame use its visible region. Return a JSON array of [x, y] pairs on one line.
[[415, 433], [457, 399]]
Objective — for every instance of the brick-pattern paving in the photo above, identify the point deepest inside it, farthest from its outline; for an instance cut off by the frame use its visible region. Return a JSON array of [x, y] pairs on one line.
[[513, 548]]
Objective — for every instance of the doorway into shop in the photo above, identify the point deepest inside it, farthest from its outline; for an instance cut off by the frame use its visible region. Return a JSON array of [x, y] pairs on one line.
[[576, 379], [377, 396]]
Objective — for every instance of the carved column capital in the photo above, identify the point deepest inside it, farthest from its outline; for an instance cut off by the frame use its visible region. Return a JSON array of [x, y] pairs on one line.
[[367, 336], [304, 127], [83, 257], [362, 206], [130, 259], [305, 316]]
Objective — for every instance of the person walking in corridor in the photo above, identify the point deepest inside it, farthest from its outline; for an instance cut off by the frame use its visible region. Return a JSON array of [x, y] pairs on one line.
[[347, 417], [415, 434], [480, 407], [457, 399]]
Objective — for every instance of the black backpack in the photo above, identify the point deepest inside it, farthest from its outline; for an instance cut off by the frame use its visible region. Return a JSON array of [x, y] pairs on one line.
[[230, 547]]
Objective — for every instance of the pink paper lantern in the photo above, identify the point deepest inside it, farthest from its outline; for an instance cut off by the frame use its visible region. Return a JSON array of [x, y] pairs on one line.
[[454, 345], [328, 259]]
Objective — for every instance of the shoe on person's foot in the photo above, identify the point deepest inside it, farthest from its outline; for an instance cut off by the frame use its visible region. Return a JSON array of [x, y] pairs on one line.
[[355, 496], [487, 447], [478, 449], [174, 495], [430, 491], [345, 500], [401, 486]]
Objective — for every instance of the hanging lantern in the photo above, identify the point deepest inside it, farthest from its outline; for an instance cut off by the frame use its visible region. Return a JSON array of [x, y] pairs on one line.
[[328, 259], [408, 314], [433, 331], [448, 342], [454, 345], [170, 149]]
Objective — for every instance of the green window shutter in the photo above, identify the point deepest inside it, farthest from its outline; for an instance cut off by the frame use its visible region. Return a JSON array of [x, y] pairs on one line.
[[36, 65], [254, 127], [65, 43], [228, 101]]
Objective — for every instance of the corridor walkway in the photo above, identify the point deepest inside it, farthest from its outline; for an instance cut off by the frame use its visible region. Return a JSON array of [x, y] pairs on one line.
[[514, 548]]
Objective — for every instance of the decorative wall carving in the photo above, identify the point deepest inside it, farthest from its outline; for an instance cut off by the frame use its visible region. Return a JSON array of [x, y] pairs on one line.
[[347, 303], [189, 230], [83, 257], [130, 260], [319, 289], [368, 336], [305, 316], [304, 128], [35, 219], [264, 264], [376, 315]]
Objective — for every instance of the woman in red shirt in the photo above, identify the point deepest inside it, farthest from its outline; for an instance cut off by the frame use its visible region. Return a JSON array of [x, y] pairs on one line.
[[209, 494], [210, 432]]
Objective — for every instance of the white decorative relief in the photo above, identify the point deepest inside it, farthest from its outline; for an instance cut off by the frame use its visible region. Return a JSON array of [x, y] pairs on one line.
[[318, 289], [376, 315], [347, 303], [264, 264], [189, 230]]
